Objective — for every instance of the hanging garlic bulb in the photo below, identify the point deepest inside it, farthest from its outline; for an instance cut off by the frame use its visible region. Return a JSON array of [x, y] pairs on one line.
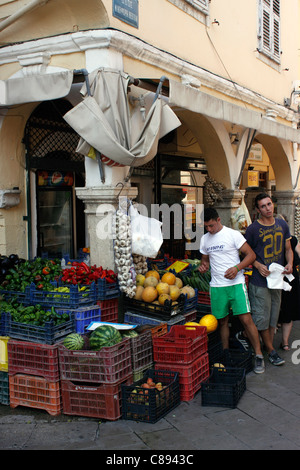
[[212, 191], [122, 251]]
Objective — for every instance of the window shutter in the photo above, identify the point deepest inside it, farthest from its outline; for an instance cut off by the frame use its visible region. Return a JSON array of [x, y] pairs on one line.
[[269, 33]]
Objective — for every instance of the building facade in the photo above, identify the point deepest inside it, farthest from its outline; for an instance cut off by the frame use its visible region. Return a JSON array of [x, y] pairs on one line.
[[225, 80]]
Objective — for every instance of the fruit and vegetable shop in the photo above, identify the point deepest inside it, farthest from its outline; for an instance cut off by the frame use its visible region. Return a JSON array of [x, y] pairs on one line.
[[129, 343]]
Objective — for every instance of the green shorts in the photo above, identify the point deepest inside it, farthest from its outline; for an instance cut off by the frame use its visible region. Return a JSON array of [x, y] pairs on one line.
[[229, 297]]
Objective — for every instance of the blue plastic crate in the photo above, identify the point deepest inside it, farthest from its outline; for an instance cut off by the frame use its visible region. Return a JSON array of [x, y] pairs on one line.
[[107, 290], [74, 298], [191, 304], [47, 334], [136, 319], [18, 296], [83, 316], [3, 324]]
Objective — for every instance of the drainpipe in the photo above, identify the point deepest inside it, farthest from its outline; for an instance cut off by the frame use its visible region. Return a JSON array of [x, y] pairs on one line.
[[15, 16]]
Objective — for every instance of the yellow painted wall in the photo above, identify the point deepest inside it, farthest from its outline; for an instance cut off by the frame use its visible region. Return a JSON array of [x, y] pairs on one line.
[[227, 48]]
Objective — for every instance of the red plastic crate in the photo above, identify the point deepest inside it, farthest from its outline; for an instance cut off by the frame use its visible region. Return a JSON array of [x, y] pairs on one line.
[[33, 359], [35, 392], [203, 298], [109, 365], [93, 400], [191, 376], [109, 310], [180, 345]]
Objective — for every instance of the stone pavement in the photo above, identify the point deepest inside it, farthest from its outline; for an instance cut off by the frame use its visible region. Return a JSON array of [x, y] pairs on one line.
[[267, 418]]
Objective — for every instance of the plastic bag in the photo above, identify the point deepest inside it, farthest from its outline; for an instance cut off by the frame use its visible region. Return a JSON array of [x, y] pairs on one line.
[[146, 234], [241, 219]]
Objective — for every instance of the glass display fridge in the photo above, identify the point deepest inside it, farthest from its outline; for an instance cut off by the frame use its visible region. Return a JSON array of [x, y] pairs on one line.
[[55, 220]]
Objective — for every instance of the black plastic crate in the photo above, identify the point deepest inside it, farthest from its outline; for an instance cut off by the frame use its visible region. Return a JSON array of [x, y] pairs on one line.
[[162, 312], [148, 404], [224, 387], [239, 359]]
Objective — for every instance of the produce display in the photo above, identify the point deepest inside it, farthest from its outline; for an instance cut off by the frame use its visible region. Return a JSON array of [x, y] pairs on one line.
[[34, 314], [157, 291], [161, 288], [104, 336], [196, 279], [81, 273], [74, 341], [22, 273]]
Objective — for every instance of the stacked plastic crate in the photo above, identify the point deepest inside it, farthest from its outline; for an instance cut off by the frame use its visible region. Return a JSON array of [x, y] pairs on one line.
[[34, 379], [184, 350], [32, 350], [4, 384], [91, 380], [108, 294]]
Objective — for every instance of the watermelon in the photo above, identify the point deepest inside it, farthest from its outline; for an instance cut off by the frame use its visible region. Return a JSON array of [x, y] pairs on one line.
[[73, 341], [130, 334], [104, 336]]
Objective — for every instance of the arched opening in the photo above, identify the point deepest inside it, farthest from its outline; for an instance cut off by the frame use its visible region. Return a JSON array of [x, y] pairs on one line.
[[57, 222]]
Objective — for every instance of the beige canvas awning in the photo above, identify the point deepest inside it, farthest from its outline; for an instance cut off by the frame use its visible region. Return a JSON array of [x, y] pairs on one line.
[[126, 131], [186, 97], [37, 87]]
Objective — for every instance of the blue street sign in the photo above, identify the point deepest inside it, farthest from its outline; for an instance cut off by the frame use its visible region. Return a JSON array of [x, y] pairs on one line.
[[127, 11]]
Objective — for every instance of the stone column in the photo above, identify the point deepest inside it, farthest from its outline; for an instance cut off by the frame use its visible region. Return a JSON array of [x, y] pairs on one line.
[[100, 205], [231, 199], [286, 202]]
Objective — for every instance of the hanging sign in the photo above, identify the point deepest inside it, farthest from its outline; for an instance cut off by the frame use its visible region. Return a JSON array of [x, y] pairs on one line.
[[127, 11], [253, 179]]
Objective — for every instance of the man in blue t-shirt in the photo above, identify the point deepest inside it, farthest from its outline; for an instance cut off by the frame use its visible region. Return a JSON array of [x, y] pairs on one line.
[[269, 238]]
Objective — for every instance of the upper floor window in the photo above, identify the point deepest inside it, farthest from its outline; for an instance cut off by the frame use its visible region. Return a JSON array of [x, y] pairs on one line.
[[198, 9], [199, 4], [269, 28]]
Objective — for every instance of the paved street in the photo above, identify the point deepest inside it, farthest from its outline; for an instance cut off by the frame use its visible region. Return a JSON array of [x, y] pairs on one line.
[[267, 418]]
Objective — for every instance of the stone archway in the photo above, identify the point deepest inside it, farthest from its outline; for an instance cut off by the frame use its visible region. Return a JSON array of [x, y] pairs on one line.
[[280, 154]]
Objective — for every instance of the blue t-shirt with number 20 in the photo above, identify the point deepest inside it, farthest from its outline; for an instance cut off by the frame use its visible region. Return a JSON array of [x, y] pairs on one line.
[[268, 243]]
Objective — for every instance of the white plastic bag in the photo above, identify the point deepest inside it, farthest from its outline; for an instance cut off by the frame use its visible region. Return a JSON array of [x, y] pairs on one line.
[[146, 234], [241, 219]]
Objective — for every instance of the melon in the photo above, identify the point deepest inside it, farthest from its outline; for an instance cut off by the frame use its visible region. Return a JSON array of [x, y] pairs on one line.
[[140, 279], [189, 291], [104, 336], [149, 294], [162, 298], [169, 278], [178, 282], [191, 325], [152, 273], [150, 281], [130, 333], [74, 341], [139, 292], [174, 292], [210, 322], [162, 288]]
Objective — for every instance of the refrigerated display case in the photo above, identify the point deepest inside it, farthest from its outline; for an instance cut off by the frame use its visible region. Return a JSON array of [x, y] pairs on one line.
[[55, 220]]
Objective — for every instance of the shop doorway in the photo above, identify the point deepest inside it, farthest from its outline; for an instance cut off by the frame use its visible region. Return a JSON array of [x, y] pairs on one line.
[[54, 169], [180, 180]]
